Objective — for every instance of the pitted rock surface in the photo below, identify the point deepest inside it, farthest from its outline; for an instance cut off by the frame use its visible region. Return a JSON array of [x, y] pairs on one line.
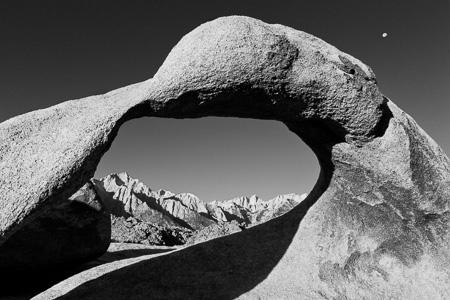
[[375, 225]]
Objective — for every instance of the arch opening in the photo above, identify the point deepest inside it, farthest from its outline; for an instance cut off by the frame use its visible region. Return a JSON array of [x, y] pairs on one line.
[[213, 158]]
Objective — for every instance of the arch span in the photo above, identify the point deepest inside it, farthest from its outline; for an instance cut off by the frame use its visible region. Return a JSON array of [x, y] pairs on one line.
[[374, 222], [235, 66]]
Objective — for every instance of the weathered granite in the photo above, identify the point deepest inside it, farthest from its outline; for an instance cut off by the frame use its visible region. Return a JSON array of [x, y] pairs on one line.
[[375, 225]]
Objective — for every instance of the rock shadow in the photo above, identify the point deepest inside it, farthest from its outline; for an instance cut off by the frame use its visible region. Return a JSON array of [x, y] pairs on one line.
[[36, 282], [223, 268]]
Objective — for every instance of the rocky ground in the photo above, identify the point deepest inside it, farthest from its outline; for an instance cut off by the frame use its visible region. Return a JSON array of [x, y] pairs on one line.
[[213, 231], [139, 222], [133, 230]]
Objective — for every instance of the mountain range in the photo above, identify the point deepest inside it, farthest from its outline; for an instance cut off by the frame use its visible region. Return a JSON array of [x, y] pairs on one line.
[[129, 199]]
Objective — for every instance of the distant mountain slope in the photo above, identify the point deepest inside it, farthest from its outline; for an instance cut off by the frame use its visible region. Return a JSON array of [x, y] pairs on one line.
[[126, 197]]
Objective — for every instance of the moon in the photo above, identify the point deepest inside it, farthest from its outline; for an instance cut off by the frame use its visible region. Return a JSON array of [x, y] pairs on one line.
[[384, 35]]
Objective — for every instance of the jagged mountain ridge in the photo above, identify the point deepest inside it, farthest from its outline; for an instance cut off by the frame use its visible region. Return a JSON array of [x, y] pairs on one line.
[[125, 197]]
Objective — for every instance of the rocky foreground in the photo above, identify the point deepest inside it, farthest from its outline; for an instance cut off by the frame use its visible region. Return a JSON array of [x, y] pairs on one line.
[[375, 226], [137, 220]]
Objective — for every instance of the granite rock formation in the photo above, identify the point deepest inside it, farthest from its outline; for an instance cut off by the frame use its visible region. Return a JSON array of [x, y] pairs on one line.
[[71, 233], [375, 226]]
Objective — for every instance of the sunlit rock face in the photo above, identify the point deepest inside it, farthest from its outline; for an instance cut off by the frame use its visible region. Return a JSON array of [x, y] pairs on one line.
[[375, 226]]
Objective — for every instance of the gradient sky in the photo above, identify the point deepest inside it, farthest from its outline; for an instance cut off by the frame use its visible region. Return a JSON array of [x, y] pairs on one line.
[[52, 51]]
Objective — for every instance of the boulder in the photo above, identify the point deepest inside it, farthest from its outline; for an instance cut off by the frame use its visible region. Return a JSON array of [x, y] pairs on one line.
[[71, 233], [375, 225]]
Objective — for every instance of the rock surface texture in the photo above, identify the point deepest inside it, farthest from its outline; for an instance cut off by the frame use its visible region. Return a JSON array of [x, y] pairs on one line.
[[375, 226]]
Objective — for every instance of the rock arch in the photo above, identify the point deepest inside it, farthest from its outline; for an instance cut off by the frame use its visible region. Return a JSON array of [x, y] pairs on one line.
[[375, 223]]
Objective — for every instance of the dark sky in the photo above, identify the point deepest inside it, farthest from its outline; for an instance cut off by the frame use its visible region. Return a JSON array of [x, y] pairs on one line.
[[52, 51]]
